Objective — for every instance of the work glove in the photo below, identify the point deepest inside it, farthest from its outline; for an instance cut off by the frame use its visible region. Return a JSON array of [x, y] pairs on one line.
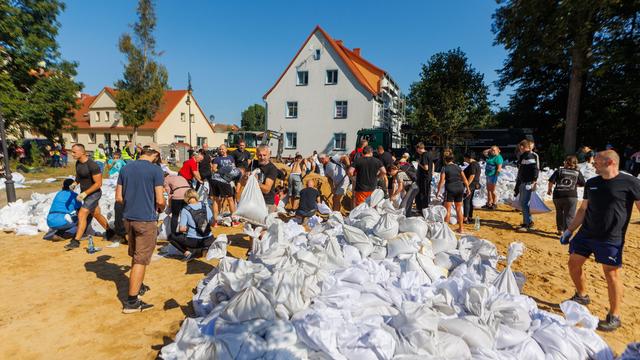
[[73, 186], [566, 237], [82, 196]]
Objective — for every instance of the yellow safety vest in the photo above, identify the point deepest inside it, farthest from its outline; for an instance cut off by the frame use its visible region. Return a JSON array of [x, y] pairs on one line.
[[99, 155], [125, 154]]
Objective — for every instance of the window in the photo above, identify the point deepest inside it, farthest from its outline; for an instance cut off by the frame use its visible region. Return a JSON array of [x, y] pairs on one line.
[[332, 77], [316, 54], [200, 141], [97, 116], [92, 138], [108, 116], [291, 140], [74, 137], [292, 109], [303, 78], [341, 110], [179, 138], [192, 117], [339, 141], [182, 117]]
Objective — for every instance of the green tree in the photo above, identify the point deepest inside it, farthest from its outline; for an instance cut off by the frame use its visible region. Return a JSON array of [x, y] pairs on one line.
[[564, 57], [253, 118], [450, 95], [37, 87], [144, 81]]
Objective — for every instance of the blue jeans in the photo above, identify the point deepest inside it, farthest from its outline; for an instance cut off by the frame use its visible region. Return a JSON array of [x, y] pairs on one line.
[[525, 199]]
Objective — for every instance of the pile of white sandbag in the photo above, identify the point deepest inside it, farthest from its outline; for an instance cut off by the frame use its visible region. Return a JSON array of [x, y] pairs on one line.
[[18, 181], [375, 285]]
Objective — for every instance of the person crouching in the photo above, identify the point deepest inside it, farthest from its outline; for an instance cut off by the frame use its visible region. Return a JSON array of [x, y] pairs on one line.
[[194, 228], [62, 218]]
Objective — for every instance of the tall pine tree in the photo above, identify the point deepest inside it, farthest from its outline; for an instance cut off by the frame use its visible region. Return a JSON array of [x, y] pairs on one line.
[[144, 80]]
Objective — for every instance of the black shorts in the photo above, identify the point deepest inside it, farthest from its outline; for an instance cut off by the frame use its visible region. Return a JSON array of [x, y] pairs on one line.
[[454, 194], [92, 201], [221, 189], [604, 252]]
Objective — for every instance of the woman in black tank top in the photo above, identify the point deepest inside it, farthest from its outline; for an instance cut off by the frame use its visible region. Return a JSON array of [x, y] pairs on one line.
[[456, 188]]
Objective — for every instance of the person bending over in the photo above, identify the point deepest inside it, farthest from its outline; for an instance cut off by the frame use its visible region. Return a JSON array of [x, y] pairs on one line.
[[309, 200], [62, 218]]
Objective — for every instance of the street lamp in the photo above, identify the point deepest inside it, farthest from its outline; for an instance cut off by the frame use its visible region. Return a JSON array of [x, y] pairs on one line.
[[11, 190], [188, 102]]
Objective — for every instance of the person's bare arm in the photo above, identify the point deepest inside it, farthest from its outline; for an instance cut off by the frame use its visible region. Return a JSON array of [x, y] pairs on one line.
[[466, 182], [441, 182], [577, 221], [97, 184], [196, 174], [550, 187], [182, 229], [214, 167], [160, 203], [498, 169], [119, 198], [266, 187]]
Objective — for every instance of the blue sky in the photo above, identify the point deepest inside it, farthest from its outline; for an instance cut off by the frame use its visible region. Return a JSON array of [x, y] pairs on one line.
[[235, 50]]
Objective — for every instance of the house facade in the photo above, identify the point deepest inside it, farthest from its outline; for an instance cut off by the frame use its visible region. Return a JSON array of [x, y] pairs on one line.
[[326, 94], [99, 122]]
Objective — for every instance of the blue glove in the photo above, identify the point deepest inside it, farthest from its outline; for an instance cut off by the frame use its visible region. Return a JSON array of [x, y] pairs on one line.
[[566, 237]]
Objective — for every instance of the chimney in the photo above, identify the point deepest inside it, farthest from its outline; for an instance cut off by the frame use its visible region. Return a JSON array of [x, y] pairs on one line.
[[356, 51]]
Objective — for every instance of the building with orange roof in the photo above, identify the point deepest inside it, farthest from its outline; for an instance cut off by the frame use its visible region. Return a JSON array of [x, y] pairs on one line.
[[327, 93], [98, 121]]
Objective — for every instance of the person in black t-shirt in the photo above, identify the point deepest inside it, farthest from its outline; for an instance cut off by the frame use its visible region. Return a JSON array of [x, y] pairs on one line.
[[603, 218], [367, 171], [472, 172], [267, 175], [89, 177], [565, 194], [423, 177], [455, 185], [204, 168], [241, 156], [309, 199]]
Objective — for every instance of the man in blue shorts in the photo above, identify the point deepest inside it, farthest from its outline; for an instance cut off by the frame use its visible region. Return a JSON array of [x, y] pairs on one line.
[[603, 218]]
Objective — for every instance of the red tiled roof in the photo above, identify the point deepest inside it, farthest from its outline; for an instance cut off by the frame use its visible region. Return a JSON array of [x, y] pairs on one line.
[[170, 100], [367, 74]]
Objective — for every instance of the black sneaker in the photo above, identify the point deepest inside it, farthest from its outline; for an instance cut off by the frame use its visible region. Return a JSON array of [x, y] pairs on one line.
[[582, 300], [611, 323], [486, 206], [135, 307], [73, 244], [494, 207], [143, 289], [108, 235]]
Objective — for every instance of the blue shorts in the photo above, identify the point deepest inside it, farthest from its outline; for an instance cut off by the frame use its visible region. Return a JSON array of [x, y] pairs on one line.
[[604, 252], [493, 179]]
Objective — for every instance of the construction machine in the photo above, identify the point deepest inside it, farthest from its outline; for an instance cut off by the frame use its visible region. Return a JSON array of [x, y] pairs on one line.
[[254, 138]]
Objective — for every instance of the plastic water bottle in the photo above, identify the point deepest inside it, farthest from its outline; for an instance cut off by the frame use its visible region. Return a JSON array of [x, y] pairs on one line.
[[476, 226], [91, 248]]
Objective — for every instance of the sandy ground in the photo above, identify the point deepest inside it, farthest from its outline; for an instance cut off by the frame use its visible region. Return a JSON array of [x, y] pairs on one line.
[[61, 304]]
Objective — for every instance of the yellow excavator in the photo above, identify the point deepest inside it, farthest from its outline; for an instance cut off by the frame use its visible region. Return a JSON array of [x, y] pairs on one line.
[[254, 138]]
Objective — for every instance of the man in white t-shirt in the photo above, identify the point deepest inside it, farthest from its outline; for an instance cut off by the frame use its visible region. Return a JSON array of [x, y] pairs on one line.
[[335, 171]]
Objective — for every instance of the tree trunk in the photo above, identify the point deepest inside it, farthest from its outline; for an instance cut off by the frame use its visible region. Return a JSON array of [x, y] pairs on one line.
[[578, 57]]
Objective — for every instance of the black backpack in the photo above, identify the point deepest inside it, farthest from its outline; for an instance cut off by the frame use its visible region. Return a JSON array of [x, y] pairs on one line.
[[203, 225], [409, 170]]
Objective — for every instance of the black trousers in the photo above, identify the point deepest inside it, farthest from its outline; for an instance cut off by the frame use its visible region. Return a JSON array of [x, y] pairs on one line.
[[184, 243], [410, 196], [176, 207], [468, 205], [424, 192]]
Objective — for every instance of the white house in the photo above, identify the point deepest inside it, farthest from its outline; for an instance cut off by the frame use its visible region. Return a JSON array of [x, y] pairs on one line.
[[98, 121], [327, 93]]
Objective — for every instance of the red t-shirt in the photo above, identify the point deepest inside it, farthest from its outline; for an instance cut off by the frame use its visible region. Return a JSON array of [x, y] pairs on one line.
[[354, 152], [188, 167]]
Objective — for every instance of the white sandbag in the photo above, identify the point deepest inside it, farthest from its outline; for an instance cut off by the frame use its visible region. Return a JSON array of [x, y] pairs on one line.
[[448, 259], [218, 248], [435, 213], [577, 314], [252, 207], [415, 225], [403, 244], [506, 281], [324, 209], [249, 304], [528, 349], [387, 227], [442, 237], [536, 205], [375, 198], [469, 329], [358, 239], [558, 342], [26, 230], [452, 347], [594, 345], [189, 344]]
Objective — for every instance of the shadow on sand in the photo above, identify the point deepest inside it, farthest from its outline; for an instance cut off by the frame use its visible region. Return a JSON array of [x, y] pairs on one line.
[[105, 270]]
